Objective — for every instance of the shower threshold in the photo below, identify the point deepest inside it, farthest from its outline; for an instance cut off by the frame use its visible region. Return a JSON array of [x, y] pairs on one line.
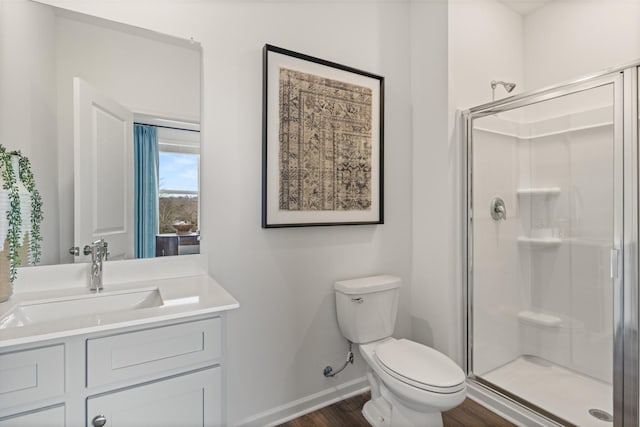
[[560, 391]]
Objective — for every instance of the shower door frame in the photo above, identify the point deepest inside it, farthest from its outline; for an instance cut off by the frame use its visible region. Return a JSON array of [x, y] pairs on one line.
[[625, 239]]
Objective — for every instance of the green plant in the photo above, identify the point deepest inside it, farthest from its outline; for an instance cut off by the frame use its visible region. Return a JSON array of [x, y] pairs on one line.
[[26, 176], [14, 215]]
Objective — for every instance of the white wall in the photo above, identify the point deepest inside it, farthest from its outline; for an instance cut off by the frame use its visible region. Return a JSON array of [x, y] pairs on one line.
[[286, 331], [567, 39], [485, 43], [284, 278], [458, 47], [435, 300], [27, 102]]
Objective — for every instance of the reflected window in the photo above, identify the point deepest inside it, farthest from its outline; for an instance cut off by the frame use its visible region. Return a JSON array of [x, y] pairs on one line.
[[178, 172]]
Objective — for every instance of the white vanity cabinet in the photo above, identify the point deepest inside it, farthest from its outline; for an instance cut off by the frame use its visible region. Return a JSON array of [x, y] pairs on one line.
[[31, 375], [49, 417], [160, 374], [154, 351], [186, 400]]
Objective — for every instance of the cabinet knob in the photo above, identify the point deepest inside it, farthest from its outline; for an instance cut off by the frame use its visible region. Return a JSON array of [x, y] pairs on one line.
[[99, 420]]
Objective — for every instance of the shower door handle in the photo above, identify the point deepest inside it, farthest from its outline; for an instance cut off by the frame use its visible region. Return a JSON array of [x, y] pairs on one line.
[[613, 263]]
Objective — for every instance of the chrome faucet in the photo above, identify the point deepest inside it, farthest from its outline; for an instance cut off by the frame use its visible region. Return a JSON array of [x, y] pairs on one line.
[[99, 253]]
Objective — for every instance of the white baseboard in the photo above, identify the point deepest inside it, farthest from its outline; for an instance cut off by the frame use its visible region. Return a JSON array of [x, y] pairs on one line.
[[300, 407]]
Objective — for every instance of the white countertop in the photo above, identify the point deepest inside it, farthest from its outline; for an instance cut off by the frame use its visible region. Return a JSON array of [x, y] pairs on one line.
[[182, 297]]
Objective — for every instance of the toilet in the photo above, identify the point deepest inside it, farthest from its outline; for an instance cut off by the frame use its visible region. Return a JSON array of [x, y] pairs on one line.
[[411, 384]]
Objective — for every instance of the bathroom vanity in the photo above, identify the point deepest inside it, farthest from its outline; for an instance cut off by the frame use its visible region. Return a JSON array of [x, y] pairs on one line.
[[148, 350], [141, 353]]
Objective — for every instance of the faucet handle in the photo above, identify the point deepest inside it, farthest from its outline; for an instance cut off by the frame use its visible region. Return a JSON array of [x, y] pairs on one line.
[[99, 248]]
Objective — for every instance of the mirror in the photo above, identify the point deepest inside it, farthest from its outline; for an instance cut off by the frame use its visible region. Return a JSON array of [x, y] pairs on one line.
[[154, 76]]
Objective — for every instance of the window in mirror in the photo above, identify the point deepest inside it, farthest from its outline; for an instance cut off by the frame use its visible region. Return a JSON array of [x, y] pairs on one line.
[[176, 188], [178, 171]]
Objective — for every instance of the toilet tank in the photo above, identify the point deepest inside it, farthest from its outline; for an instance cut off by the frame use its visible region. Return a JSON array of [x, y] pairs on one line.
[[367, 307]]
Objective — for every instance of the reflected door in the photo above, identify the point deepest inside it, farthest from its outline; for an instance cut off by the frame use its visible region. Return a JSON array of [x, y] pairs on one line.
[[544, 258], [103, 180]]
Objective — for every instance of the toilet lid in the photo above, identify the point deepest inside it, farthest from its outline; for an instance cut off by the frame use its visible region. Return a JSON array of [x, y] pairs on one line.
[[419, 365]]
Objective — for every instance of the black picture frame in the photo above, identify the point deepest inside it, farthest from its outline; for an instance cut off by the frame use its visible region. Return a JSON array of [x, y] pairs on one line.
[[323, 164]]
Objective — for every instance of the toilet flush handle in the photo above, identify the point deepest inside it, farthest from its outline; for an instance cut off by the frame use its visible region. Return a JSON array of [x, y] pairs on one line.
[[358, 300]]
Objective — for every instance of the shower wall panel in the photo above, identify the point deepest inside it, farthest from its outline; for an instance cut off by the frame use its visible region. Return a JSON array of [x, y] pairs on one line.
[[573, 152], [591, 231], [496, 163]]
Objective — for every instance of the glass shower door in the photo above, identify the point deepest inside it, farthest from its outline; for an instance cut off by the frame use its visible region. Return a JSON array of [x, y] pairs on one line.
[[545, 192]]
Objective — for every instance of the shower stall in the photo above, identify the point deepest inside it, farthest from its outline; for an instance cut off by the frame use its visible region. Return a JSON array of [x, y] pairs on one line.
[[551, 264]]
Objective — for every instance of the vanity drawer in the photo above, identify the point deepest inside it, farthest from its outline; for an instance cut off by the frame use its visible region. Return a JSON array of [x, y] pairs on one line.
[[31, 375], [152, 351], [50, 417]]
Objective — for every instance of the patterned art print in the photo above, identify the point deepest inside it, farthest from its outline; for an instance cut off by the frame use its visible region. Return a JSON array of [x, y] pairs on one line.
[[325, 138]]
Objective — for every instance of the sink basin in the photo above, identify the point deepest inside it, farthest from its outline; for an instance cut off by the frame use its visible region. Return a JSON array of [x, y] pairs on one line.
[[46, 310]]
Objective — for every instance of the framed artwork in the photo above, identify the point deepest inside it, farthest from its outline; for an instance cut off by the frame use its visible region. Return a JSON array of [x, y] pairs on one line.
[[322, 153]]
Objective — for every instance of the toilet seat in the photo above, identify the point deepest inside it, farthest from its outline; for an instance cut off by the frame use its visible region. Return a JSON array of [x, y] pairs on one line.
[[420, 366]]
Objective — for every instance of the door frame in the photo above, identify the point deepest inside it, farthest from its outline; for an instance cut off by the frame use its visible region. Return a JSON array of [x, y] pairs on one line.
[[625, 238]]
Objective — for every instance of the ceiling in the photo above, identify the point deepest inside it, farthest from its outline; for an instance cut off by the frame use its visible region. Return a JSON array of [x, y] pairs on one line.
[[524, 7]]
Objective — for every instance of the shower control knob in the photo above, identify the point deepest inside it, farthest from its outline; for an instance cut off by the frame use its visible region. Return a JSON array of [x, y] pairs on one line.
[[99, 421], [498, 209]]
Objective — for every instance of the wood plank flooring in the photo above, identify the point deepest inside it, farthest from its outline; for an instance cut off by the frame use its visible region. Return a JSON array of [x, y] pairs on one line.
[[348, 414]]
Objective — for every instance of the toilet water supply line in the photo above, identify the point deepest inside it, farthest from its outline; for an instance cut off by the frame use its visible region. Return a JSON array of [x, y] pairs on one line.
[[328, 371]]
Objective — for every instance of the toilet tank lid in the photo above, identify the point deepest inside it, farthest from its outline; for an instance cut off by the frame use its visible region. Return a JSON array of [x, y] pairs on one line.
[[366, 285]]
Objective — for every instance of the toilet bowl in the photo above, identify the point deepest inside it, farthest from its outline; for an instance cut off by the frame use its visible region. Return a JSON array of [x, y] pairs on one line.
[[411, 384], [419, 382]]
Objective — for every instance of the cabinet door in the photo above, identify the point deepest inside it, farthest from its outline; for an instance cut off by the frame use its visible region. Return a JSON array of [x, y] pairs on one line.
[[188, 401], [51, 417], [29, 376]]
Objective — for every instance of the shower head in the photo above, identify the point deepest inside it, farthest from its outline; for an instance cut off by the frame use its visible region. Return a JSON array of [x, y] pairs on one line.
[[508, 86]]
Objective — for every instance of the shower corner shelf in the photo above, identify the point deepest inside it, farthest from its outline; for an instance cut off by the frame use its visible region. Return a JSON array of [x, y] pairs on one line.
[[540, 191], [539, 319], [540, 241]]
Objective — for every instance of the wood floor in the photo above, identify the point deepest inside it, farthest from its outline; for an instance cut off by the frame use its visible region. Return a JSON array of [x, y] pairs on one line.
[[348, 414]]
